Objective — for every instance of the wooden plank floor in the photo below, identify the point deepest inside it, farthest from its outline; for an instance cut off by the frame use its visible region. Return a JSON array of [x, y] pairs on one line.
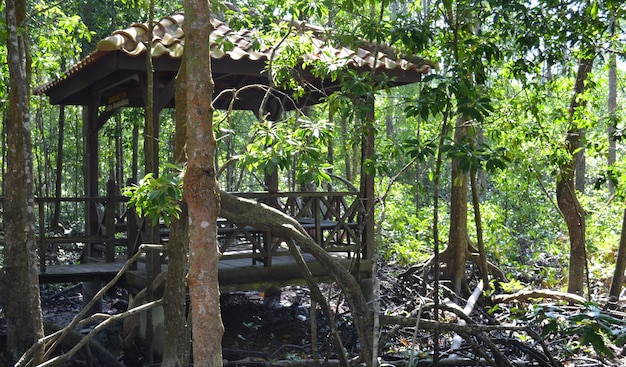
[[234, 274]]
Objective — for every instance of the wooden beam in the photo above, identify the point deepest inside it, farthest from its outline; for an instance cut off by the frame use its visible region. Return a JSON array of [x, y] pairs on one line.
[[80, 81]]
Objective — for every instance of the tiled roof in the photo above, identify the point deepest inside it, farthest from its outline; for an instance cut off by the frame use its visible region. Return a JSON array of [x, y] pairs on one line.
[[169, 40]]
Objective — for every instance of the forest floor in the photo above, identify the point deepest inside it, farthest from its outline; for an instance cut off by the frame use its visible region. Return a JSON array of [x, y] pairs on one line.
[[263, 328]]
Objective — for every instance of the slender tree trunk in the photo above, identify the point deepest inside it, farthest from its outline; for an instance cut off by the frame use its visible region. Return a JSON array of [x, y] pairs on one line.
[[612, 109], [346, 150], [201, 190], [176, 346], [368, 235], [581, 166], [4, 151], [458, 238], [22, 305], [436, 179], [620, 265], [151, 153], [572, 210], [482, 253]]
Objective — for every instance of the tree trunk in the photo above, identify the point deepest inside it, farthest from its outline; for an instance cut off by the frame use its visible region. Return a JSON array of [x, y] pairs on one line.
[[4, 150], [581, 166], [458, 238], [567, 199], [200, 189], [620, 265], [368, 235], [22, 303], [176, 346], [151, 153], [482, 253], [345, 146], [612, 109]]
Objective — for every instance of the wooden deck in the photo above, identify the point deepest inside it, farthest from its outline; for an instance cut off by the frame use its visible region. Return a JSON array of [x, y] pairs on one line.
[[234, 274], [251, 258]]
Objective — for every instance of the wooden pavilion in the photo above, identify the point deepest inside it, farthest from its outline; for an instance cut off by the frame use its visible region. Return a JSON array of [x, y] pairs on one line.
[[114, 76]]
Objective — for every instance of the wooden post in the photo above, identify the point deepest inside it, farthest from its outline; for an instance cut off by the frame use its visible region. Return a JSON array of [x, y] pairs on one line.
[[131, 231], [91, 157], [109, 222], [42, 238]]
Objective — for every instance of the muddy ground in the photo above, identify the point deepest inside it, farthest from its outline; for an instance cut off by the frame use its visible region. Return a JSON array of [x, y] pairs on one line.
[[264, 327]]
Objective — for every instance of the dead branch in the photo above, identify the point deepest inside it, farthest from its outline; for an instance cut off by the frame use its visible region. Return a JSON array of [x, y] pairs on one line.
[[93, 349], [108, 320], [465, 319], [468, 329], [286, 363], [55, 339], [539, 293]]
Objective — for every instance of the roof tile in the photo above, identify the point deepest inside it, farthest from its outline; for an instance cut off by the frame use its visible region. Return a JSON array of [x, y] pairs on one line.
[[169, 40]]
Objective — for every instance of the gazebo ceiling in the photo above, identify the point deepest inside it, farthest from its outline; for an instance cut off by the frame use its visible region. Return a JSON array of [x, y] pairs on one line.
[[115, 72]]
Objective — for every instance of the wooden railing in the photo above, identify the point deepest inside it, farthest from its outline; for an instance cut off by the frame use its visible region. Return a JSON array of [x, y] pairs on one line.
[[329, 217], [113, 230]]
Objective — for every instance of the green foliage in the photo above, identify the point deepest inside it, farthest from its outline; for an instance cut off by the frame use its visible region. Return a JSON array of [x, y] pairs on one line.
[[507, 67], [472, 157], [299, 144], [592, 326], [157, 197], [407, 234], [409, 31], [434, 99]]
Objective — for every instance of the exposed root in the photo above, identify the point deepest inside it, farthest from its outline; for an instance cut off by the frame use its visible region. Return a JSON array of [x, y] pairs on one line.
[[446, 255]]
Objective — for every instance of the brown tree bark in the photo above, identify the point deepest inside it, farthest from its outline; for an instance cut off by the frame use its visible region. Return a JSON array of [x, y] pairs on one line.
[[570, 207], [620, 265], [458, 237], [201, 190], [22, 304], [612, 108]]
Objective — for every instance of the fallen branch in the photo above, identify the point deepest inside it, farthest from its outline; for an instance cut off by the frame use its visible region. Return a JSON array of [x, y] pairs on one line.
[[460, 336], [93, 349], [54, 340], [108, 319], [540, 293], [468, 329], [248, 361]]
